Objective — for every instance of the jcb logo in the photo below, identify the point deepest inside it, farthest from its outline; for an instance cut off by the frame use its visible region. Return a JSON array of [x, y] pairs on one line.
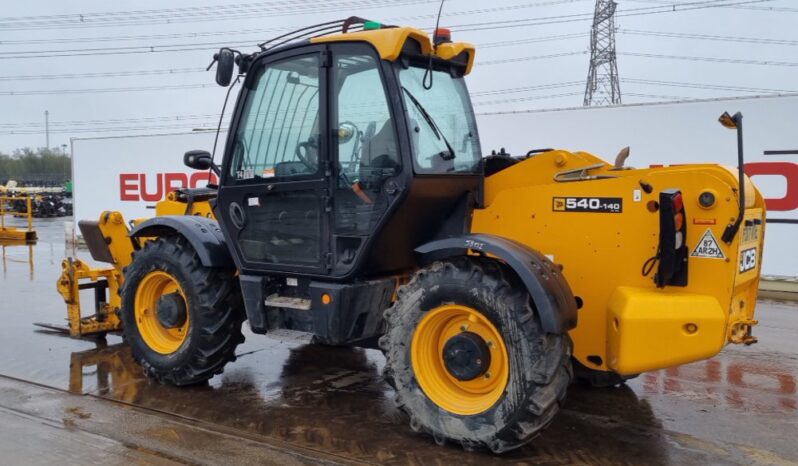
[[747, 260]]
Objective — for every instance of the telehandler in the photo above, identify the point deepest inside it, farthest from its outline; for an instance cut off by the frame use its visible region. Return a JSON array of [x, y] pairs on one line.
[[354, 203]]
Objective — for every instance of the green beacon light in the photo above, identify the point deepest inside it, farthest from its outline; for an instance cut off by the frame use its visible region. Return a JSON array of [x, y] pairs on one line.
[[371, 26]]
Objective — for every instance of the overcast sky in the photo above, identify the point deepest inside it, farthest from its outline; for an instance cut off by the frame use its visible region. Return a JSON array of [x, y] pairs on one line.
[[113, 44]]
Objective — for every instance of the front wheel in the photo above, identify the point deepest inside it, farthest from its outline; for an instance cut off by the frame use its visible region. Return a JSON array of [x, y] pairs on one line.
[[468, 359], [182, 319]]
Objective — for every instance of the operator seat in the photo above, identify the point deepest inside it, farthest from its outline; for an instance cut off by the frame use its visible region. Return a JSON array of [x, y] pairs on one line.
[[379, 158]]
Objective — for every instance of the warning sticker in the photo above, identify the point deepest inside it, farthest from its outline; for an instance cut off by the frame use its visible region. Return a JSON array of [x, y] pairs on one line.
[[708, 247]]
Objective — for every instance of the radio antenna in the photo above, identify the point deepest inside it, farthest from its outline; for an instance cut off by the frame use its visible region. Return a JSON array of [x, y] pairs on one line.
[[219, 126], [428, 72], [438, 22]]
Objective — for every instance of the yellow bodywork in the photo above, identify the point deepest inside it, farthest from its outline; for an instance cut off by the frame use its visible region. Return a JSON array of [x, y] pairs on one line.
[[627, 324], [389, 43], [75, 272]]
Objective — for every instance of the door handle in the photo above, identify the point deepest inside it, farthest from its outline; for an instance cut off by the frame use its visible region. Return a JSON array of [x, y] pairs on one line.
[[237, 216]]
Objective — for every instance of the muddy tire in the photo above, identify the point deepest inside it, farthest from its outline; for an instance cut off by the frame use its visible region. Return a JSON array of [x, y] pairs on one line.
[[538, 364], [201, 334]]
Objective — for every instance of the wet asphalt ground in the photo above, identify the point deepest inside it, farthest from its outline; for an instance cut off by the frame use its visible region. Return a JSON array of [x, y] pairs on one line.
[[285, 401]]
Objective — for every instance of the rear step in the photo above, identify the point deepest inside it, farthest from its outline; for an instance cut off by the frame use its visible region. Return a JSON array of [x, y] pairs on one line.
[[288, 302]]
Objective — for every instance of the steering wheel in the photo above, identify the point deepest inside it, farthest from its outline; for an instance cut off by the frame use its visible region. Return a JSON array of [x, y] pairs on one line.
[[306, 157]]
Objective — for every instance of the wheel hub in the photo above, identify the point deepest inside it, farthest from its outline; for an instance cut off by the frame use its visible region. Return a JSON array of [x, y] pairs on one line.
[[459, 359], [171, 310], [466, 356]]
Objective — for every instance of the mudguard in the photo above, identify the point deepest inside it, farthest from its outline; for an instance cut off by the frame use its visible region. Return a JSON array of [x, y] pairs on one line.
[[554, 301], [202, 233]]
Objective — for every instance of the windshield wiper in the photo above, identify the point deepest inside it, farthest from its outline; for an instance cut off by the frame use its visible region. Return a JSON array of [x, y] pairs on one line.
[[435, 130]]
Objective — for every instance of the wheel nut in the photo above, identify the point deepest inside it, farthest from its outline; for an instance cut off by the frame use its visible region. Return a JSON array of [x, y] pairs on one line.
[[463, 327], [487, 375], [490, 343]]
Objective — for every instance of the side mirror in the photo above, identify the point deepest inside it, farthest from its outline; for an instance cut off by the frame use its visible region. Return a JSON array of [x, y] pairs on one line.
[[225, 60], [198, 159]]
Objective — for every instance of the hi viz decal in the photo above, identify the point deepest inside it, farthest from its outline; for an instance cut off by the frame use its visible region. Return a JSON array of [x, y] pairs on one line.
[[708, 247], [606, 205]]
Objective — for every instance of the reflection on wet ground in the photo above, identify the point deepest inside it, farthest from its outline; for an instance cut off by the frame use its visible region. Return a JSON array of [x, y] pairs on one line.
[[738, 408]]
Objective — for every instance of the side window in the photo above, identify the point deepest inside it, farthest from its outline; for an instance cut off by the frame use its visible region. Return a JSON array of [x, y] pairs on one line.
[[367, 149], [279, 132]]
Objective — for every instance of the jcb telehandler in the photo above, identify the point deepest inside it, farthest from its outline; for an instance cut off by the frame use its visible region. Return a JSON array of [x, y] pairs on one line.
[[354, 203]]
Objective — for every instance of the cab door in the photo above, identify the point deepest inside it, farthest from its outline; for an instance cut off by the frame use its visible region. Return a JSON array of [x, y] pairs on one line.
[[274, 191], [366, 153]]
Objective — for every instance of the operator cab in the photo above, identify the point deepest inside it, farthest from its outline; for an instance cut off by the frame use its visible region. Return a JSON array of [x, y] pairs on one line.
[[349, 151]]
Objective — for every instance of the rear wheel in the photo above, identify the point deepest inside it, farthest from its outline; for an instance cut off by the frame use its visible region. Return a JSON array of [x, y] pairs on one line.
[[182, 319], [468, 359]]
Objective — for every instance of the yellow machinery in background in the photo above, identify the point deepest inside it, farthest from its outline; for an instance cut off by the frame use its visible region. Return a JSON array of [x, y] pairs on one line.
[[13, 233]]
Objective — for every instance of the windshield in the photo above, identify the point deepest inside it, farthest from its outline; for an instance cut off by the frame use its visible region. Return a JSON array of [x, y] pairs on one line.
[[441, 121]]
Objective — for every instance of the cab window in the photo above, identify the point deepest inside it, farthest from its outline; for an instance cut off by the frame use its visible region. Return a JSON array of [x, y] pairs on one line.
[[279, 132], [368, 153]]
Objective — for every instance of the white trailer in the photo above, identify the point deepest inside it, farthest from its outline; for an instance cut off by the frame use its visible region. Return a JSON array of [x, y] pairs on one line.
[[132, 173]]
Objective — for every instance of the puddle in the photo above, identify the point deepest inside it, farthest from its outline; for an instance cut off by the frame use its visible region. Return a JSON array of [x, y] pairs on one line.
[[334, 399]]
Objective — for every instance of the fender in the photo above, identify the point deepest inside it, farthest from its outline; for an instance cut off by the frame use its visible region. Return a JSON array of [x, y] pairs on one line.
[[202, 233], [553, 298]]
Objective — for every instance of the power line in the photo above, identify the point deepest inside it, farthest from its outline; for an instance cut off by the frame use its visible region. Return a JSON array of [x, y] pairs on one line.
[[747, 40], [138, 49], [532, 40], [714, 87], [514, 90], [128, 19], [526, 99], [656, 96], [537, 57], [262, 31], [106, 74], [209, 125], [116, 121], [673, 8], [195, 86], [737, 61], [218, 13], [107, 89], [738, 7], [462, 27]]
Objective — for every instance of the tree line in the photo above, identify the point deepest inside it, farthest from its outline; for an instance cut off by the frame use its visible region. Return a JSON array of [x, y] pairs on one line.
[[40, 166]]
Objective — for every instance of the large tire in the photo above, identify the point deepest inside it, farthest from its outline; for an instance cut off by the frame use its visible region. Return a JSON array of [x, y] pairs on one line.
[[213, 313], [539, 365]]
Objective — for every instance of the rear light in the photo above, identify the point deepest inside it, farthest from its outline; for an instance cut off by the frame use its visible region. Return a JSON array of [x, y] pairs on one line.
[[672, 252]]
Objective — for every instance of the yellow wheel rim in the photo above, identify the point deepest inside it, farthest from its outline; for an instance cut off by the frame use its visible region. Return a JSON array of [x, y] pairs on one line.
[[426, 351], [159, 338]]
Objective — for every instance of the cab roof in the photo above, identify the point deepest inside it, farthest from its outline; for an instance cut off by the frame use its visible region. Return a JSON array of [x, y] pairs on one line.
[[390, 41]]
